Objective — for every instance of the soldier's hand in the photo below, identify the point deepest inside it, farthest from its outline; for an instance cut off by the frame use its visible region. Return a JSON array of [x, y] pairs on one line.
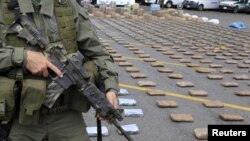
[[112, 98], [38, 64]]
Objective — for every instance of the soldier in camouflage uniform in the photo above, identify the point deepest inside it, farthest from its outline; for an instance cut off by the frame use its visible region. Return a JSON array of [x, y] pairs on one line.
[[24, 71]]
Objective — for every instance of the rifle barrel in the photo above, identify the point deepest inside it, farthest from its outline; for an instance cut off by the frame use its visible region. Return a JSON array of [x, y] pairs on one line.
[[118, 126]]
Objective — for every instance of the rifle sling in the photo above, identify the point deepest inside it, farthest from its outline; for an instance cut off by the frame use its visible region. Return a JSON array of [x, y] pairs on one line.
[[99, 129]]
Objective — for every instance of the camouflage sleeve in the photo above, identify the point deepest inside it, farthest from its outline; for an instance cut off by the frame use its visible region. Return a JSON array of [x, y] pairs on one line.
[[92, 49]]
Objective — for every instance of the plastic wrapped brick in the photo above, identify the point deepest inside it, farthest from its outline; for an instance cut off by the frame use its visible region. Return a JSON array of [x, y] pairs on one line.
[[133, 112], [126, 102], [123, 92], [92, 131], [130, 129]]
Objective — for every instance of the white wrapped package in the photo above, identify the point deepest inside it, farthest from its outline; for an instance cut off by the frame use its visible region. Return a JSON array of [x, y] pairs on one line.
[[186, 15], [123, 92], [205, 19], [130, 129], [126, 102], [194, 16], [214, 21], [133, 113], [92, 131]]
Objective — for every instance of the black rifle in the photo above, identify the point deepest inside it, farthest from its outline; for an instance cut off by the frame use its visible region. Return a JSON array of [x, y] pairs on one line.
[[4, 131], [73, 73]]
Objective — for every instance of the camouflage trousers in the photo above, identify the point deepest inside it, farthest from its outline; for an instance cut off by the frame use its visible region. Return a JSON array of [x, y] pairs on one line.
[[65, 126]]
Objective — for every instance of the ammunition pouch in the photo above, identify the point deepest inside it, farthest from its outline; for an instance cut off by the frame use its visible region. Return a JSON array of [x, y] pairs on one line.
[[32, 97], [16, 74], [7, 99]]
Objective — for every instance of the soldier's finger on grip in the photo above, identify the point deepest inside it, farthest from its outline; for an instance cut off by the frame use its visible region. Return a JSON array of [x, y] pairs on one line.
[[55, 69]]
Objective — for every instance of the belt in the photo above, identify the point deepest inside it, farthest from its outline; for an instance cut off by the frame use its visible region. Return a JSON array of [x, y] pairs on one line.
[[58, 107], [47, 111]]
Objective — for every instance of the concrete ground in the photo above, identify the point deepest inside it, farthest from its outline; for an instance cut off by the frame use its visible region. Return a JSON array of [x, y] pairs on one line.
[[217, 50]]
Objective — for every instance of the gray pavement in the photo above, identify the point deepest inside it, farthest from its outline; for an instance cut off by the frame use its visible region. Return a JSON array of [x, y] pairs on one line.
[[197, 38]]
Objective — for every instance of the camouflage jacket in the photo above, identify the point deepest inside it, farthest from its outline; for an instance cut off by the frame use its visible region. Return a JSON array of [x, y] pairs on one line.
[[87, 41]]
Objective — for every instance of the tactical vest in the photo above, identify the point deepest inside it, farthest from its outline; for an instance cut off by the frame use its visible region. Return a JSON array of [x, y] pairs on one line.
[[30, 106], [64, 14]]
